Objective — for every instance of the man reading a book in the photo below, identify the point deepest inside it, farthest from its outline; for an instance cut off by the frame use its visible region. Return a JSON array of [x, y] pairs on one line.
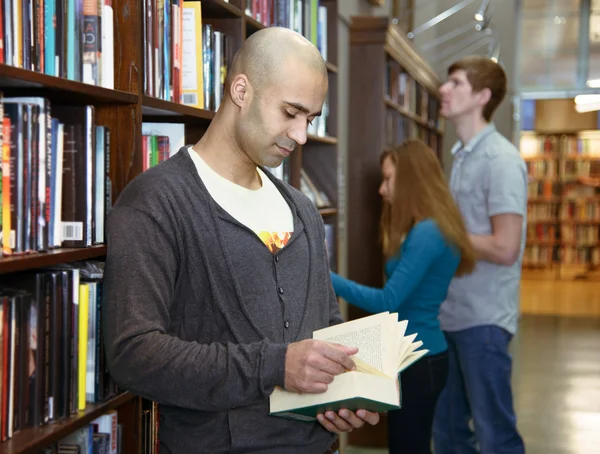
[[217, 275]]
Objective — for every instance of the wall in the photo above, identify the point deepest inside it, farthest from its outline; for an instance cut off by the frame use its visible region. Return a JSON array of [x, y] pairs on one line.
[[347, 9]]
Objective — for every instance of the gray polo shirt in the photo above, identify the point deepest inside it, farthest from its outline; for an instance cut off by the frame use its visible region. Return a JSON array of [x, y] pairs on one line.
[[488, 178]]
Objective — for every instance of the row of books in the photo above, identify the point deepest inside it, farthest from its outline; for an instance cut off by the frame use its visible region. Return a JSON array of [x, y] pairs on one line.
[[56, 188], [185, 58], [73, 39], [102, 436], [567, 255], [307, 17], [155, 149], [160, 141], [52, 349], [541, 212], [570, 210], [580, 210], [402, 89], [564, 145], [563, 169], [542, 169], [541, 232], [580, 234], [583, 235]]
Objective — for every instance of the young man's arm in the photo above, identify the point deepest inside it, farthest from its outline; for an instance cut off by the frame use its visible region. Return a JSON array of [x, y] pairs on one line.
[[503, 245], [507, 205]]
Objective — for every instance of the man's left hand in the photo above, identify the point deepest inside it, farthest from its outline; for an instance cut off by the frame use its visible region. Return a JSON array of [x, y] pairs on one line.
[[346, 420]]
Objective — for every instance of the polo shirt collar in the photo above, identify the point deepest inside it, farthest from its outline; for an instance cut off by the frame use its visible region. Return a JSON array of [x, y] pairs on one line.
[[474, 141]]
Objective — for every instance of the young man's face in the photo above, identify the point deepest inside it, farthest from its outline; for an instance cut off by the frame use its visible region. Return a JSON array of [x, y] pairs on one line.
[[278, 117], [458, 98]]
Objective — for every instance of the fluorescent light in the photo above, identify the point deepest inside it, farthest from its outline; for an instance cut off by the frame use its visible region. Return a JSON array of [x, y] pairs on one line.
[[589, 107], [587, 99], [480, 14], [593, 83]]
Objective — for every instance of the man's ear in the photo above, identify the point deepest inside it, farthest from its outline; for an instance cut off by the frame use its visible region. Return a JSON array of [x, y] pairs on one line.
[[239, 89], [485, 95]]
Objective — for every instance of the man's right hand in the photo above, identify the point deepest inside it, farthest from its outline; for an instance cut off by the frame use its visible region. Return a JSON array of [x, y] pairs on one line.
[[310, 365]]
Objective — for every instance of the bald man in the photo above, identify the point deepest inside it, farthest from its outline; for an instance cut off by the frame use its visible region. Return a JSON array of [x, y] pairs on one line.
[[217, 275]]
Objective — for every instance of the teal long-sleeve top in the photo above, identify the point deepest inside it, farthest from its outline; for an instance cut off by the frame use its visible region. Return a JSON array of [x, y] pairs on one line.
[[416, 285]]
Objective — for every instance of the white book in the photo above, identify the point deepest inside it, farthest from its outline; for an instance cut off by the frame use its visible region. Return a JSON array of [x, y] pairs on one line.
[[384, 351]]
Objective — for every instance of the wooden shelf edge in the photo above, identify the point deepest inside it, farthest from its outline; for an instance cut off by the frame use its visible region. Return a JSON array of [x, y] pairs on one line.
[[155, 107], [226, 6], [253, 24], [327, 139], [33, 439], [411, 115], [328, 211], [14, 77], [9, 264], [331, 67]]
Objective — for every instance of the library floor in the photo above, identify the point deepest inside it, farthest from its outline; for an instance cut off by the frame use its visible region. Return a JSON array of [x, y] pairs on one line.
[[556, 375]]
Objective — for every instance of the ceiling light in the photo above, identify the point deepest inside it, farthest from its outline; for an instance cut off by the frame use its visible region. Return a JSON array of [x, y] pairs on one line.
[[480, 14]]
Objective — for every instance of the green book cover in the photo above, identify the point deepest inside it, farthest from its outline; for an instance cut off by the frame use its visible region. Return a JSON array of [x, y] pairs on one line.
[[357, 403]]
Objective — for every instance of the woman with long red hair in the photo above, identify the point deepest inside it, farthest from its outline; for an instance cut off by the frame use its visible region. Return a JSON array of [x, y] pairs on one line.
[[425, 244]]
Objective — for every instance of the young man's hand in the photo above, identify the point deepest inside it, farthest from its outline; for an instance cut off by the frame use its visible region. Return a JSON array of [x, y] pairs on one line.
[[310, 365], [346, 420]]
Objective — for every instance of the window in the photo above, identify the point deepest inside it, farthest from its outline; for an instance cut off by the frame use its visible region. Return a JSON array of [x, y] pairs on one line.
[[555, 35]]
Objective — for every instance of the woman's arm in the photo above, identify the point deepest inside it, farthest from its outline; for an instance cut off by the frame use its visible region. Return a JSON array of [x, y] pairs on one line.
[[424, 245]]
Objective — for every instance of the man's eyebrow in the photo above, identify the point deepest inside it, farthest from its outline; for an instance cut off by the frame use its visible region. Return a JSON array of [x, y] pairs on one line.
[[301, 108]]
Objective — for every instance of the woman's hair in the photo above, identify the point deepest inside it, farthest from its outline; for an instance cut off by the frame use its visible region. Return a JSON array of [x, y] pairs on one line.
[[421, 191]]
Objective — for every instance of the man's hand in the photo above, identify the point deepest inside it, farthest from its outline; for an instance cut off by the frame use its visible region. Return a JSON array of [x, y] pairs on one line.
[[346, 420], [310, 365]]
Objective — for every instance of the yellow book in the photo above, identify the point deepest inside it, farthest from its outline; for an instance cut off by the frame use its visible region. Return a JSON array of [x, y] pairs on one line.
[[383, 353], [84, 294], [192, 79]]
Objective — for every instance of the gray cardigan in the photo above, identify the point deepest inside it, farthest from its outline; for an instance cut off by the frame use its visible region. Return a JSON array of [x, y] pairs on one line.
[[199, 313]]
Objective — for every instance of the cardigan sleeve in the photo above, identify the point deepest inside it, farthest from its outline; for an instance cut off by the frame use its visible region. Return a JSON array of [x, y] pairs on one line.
[[423, 246]]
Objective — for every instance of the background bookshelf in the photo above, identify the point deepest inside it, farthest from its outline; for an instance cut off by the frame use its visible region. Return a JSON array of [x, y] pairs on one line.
[[396, 93], [563, 209], [144, 90]]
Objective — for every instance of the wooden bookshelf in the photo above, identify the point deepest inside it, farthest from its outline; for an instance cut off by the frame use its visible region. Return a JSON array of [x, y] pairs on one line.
[[563, 221], [154, 109], [123, 110], [11, 264], [396, 92], [32, 440]]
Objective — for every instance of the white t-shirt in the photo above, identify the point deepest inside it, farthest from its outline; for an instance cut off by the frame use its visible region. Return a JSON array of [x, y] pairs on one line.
[[264, 210]]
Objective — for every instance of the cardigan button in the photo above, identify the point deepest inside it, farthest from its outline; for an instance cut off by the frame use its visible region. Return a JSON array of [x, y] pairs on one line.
[[286, 324], [281, 290]]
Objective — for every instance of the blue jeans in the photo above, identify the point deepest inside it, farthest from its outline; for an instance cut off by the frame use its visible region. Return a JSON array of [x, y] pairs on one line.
[[478, 387]]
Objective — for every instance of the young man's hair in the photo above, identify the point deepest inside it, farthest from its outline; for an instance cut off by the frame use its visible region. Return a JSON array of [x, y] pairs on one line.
[[483, 73], [421, 191]]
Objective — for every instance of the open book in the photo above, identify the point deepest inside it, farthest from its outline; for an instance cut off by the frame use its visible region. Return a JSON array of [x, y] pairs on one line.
[[383, 352]]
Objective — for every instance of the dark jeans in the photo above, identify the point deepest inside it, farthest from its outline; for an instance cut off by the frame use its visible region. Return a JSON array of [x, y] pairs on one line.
[[478, 387], [409, 428]]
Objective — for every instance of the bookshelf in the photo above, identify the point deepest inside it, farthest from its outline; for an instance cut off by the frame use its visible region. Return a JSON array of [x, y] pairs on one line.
[[395, 92], [561, 150], [123, 110]]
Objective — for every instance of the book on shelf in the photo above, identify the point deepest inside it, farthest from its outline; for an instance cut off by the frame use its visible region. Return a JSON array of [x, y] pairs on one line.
[[56, 187], [384, 351], [160, 141], [51, 345], [72, 39]]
